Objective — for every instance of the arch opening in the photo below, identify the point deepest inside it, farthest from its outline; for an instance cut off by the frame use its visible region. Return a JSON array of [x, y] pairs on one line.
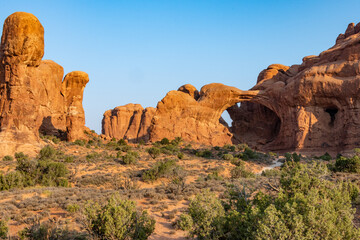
[[225, 119], [254, 124], [332, 111]]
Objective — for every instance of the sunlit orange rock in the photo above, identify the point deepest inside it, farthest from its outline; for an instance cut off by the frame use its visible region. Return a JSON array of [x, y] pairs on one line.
[[313, 106], [130, 122], [32, 97]]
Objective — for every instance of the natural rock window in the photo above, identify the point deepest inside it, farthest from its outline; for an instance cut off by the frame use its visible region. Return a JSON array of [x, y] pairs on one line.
[[332, 112]]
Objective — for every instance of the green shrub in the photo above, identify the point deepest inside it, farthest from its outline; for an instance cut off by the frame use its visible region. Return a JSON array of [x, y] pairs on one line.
[[250, 153], [80, 142], [205, 154], [20, 156], [154, 152], [217, 148], [72, 208], [92, 156], [288, 157], [8, 158], [229, 147], [325, 157], [185, 222], [32, 172], [272, 154], [180, 155], [205, 217], [11, 180], [169, 149], [141, 142], [294, 157], [357, 151], [271, 173], [243, 156], [165, 168], [242, 146], [52, 138], [48, 153], [51, 174], [123, 148], [300, 177], [351, 165], [237, 162], [69, 159], [117, 219], [307, 206], [215, 175], [228, 157], [176, 141], [241, 172], [165, 141], [122, 142], [49, 230], [130, 158], [55, 140], [3, 229]]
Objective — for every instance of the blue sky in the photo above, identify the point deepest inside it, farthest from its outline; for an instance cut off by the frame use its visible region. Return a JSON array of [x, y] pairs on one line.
[[136, 51]]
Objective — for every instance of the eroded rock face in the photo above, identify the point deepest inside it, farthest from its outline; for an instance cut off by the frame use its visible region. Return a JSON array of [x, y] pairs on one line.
[[130, 122], [313, 106], [73, 88], [33, 95], [191, 90], [184, 113], [179, 114], [316, 102], [22, 41]]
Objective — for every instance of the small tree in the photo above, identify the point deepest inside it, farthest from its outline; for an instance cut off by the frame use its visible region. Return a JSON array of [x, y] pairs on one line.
[[118, 219], [205, 217], [130, 157], [154, 152]]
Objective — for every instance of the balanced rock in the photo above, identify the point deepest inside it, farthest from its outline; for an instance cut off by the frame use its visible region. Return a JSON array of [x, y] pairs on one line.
[[33, 96]]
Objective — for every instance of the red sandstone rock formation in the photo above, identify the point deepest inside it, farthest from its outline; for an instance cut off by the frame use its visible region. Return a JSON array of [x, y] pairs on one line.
[[180, 114], [315, 104], [33, 96], [312, 106], [73, 89], [130, 122], [186, 113]]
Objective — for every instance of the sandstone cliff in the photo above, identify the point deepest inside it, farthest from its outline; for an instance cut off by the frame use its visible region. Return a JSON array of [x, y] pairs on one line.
[[33, 95]]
